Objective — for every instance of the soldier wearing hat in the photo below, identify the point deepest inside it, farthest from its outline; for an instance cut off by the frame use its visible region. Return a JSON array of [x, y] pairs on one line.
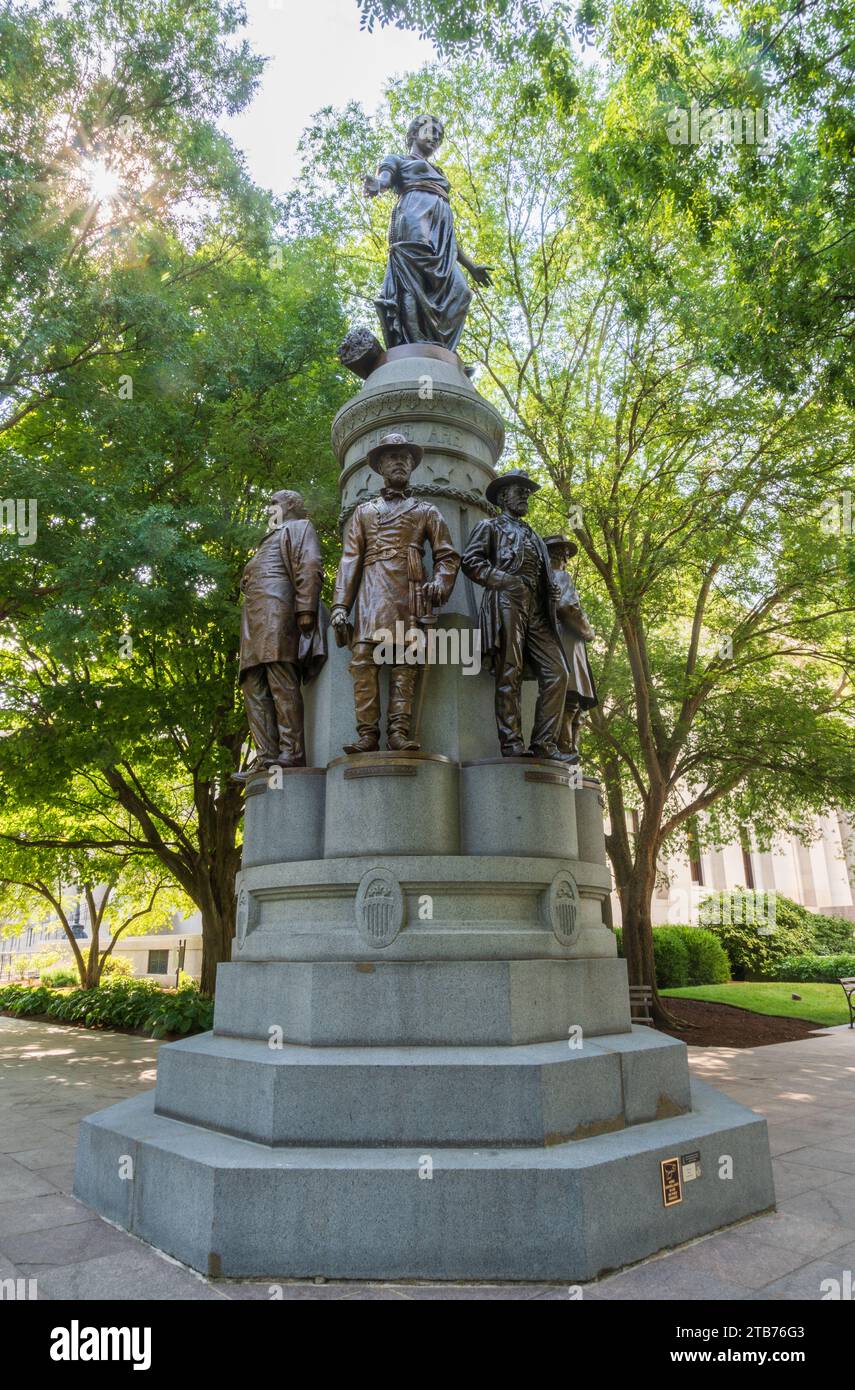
[[282, 643], [381, 578], [519, 622], [575, 632]]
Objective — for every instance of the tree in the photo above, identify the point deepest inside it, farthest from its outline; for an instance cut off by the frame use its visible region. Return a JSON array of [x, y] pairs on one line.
[[121, 893], [109, 149], [121, 676], [168, 360]]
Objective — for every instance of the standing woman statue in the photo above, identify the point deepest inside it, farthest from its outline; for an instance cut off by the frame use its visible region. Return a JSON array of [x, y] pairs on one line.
[[425, 297]]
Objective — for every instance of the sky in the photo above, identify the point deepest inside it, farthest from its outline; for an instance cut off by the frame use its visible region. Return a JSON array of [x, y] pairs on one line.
[[318, 57]]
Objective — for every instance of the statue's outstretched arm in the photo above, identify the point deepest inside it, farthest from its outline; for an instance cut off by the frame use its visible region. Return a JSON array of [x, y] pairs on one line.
[[373, 184]]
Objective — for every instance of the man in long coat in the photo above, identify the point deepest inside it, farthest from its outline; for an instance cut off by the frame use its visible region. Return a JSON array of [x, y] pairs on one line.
[[381, 578], [576, 631], [282, 643], [519, 622]]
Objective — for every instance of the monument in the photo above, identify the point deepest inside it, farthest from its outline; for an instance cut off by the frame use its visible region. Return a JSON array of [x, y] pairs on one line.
[[422, 1063]]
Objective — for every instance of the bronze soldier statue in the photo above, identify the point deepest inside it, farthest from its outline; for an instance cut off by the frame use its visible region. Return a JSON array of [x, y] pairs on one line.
[[575, 632], [282, 643], [519, 623], [382, 578]]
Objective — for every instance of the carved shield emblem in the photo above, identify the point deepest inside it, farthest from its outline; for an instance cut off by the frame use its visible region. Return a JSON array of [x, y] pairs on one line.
[[562, 907], [379, 907]]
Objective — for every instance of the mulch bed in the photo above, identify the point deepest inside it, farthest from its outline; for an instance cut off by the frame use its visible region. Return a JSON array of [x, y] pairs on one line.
[[722, 1025]]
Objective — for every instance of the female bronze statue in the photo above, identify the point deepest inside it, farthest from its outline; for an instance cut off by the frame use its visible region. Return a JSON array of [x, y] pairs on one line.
[[425, 297]]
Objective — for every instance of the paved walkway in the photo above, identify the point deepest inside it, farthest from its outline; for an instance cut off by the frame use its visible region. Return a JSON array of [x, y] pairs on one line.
[[51, 1076]]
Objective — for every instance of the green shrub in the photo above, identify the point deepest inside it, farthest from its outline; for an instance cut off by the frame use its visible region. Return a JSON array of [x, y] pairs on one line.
[[833, 936], [116, 1004], [813, 969], [670, 957], [757, 930], [60, 977], [685, 956], [185, 1011], [117, 967], [708, 960], [22, 1000]]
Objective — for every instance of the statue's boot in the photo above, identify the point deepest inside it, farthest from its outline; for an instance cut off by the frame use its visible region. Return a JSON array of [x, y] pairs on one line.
[[256, 768], [402, 685], [366, 700], [553, 753]]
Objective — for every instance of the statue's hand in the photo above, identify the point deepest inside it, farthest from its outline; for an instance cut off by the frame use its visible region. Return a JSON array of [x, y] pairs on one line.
[[432, 593], [305, 622], [511, 583], [481, 274], [338, 618], [370, 186]]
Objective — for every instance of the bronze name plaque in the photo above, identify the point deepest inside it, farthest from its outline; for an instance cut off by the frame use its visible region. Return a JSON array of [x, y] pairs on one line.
[[554, 777], [672, 1183], [379, 772]]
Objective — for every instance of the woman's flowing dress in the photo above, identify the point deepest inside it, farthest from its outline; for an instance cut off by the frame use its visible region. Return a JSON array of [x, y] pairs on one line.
[[425, 297]]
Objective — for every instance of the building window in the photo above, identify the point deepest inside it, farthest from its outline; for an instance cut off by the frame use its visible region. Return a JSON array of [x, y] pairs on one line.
[[747, 865], [158, 962], [695, 865]]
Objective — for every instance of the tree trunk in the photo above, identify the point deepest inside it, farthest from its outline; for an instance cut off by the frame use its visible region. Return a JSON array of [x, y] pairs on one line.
[[635, 904], [217, 936]]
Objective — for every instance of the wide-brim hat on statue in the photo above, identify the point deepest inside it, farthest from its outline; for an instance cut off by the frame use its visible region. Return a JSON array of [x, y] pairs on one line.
[[559, 542], [394, 441], [517, 476]]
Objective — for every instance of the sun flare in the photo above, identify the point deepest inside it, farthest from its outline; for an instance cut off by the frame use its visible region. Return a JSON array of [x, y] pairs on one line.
[[101, 181]]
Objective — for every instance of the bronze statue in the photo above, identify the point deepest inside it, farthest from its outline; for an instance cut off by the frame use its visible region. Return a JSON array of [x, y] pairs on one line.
[[382, 578], [575, 632], [424, 298], [519, 622], [282, 643]]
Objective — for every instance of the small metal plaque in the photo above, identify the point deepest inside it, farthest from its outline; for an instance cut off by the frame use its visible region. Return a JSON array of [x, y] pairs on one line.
[[379, 772], [672, 1183], [691, 1166], [556, 778], [561, 907], [379, 907]]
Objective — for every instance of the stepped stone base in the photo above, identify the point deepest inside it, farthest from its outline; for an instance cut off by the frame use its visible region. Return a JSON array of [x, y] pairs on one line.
[[541, 1093], [565, 1212]]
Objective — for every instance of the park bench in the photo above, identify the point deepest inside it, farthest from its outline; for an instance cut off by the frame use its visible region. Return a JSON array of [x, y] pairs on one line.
[[640, 1004], [848, 984]]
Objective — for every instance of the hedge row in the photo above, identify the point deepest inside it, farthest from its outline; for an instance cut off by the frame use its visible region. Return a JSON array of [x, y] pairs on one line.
[[809, 969], [137, 1004], [759, 931], [686, 956]]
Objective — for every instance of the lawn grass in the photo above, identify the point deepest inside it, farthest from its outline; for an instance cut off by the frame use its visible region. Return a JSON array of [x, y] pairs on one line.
[[823, 1004]]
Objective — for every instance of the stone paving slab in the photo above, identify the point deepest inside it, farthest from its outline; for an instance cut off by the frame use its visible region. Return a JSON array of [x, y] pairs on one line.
[[52, 1076]]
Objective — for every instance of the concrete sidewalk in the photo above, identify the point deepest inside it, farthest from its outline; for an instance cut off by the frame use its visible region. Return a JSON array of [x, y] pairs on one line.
[[51, 1076]]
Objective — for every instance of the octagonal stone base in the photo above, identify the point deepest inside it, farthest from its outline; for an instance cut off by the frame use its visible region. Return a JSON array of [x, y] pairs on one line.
[[567, 1212]]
